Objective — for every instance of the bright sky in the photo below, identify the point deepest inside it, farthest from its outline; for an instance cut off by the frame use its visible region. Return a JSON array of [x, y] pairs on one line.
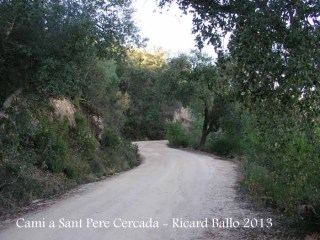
[[166, 28]]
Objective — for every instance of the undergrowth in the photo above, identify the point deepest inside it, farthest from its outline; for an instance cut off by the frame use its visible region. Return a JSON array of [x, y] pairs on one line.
[[41, 156]]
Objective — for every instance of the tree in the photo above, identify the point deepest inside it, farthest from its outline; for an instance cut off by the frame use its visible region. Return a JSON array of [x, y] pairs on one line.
[[61, 49], [275, 45], [50, 45], [141, 80], [274, 42], [199, 84]]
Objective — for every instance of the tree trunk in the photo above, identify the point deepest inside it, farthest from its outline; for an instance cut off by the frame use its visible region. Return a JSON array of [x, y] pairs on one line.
[[209, 125], [205, 129], [203, 139]]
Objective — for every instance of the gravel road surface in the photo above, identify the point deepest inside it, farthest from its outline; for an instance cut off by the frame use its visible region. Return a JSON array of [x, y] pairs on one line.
[[173, 194]]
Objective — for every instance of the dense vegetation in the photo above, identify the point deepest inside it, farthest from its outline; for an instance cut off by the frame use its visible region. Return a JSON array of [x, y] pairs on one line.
[[141, 80], [259, 99], [272, 119], [64, 55]]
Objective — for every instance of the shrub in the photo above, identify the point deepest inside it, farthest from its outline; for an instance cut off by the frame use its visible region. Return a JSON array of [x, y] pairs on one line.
[[110, 139], [70, 172], [125, 156], [221, 146], [258, 179], [42, 156], [283, 164], [52, 145], [176, 135], [132, 154]]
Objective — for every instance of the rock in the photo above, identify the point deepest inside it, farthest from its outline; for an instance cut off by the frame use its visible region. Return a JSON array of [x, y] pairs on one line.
[[184, 116], [7, 103], [63, 109], [97, 121]]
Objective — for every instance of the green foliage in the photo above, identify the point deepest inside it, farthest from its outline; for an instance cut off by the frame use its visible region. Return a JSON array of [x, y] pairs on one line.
[[147, 60], [195, 132], [36, 147], [201, 85], [275, 52], [51, 45], [224, 142], [51, 145], [110, 139], [221, 145], [128, 153], [31, 151], [228, 140], [258, 179], [290, 155], [62, 49], [142, 81], [102, 93], [176, 135]]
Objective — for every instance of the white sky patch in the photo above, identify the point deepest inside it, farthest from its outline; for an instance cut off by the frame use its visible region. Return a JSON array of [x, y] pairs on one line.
[[167, 28]]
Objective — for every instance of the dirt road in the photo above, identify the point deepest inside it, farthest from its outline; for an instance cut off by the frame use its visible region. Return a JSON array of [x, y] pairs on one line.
[[174, 194]]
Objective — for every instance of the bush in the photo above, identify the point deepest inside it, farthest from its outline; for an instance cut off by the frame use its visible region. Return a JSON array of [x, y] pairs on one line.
[[258, 179], [194, 133], [283, 164], [221, 146], [110, 139], [132, 154], [51, 145], [42, 156], [124, 156], [176, 135]]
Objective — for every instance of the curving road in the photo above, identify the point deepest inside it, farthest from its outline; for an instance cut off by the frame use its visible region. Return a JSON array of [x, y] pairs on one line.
[[163, 198]]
